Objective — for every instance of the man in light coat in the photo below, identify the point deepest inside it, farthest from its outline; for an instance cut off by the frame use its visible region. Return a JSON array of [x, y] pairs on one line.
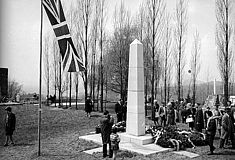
[[225, 127]]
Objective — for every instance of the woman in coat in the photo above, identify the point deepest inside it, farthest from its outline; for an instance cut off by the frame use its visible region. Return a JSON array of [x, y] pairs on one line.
[[170, 114], [199, 123], [88, 107]]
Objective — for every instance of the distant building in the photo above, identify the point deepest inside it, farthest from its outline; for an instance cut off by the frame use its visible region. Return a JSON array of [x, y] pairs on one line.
[[3, 83]]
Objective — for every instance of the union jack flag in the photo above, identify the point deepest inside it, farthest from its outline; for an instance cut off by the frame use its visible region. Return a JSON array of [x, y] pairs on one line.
[[71, 61]]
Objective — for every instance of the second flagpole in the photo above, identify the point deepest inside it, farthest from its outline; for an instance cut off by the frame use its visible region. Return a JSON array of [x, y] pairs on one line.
[[40, 85]]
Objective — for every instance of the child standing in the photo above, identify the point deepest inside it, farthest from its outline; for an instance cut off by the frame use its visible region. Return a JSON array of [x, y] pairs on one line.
[[115, 139]]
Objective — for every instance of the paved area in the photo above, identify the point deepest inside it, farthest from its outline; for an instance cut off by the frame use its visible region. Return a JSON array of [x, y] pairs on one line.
[[188, 154], [10, 104], [141, 149]]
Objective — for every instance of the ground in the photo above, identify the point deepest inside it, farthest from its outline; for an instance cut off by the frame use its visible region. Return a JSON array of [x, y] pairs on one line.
[[60, 133]]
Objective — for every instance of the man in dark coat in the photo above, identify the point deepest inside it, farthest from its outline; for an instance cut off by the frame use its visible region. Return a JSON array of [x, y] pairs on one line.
[[124, 111], [88, 107], [191, 111], [106, 126], [199, 123], [184, 114], [210, 131], [118, 110], [206, 115], [10, 123]]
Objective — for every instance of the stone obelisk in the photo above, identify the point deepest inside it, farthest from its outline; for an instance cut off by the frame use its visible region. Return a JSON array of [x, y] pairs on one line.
[[135, 97]]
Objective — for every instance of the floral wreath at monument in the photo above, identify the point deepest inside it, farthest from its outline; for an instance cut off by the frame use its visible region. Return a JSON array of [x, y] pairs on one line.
[[173, 137]]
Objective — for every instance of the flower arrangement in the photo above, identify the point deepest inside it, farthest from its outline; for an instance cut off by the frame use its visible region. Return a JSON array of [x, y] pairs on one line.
[[173, 137]]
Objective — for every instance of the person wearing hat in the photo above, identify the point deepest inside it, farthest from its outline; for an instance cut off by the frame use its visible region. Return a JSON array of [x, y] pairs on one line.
[[206, 115], [170, 114], [157, 114], [225, 127], [10, 122], [106, 124]]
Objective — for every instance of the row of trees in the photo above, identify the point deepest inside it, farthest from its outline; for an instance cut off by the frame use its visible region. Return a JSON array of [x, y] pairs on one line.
[[106, 54]]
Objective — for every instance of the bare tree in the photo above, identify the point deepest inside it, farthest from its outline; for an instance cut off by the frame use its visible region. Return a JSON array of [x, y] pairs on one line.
[[167, 53], [46, 63], [14, 88], [169, 78], [140, 22], [223, 42], [195, 62], [101, 23], [155, 15], [119, 51], [85, 13], [94, 40], [56, 66], [180, 40], [76, 83]]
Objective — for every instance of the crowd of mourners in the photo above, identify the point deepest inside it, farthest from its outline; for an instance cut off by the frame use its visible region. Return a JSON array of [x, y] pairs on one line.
[[200, 119]]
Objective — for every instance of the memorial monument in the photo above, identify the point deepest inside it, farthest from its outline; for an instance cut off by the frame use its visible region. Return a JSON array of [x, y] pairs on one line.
[[135, 125]]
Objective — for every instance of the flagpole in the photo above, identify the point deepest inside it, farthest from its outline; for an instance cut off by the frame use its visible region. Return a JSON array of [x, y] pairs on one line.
[[40, 86]]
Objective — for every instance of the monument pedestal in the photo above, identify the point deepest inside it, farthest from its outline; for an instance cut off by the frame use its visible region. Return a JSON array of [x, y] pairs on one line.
[[139, 140]]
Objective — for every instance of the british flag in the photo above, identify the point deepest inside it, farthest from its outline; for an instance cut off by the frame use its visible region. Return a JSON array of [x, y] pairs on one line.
[[71, 61]]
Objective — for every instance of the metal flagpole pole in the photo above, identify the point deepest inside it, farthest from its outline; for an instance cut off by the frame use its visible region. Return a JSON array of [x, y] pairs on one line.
[[40, 85]]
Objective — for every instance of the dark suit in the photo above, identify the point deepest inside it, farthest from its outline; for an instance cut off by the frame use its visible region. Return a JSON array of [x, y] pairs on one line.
[[106, 126], [210, 133], [88, 106], [205, 116], [118, 110], [10, 123], [199, 123]]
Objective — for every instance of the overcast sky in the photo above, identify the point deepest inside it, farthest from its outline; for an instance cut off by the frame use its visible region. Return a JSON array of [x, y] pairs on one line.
[[20, 27]]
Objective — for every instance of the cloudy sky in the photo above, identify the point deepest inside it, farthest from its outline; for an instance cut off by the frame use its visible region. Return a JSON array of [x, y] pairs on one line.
[[20, 28]]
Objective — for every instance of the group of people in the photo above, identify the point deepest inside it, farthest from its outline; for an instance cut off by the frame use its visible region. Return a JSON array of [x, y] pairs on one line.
[[222, 121], [165, 115], [109, 135]]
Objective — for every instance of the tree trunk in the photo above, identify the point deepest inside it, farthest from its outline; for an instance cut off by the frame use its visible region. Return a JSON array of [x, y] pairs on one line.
[[77, 96], [60, 79]]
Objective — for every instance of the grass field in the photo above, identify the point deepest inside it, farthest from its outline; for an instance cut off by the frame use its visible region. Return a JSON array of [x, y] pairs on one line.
[[60, 133]]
